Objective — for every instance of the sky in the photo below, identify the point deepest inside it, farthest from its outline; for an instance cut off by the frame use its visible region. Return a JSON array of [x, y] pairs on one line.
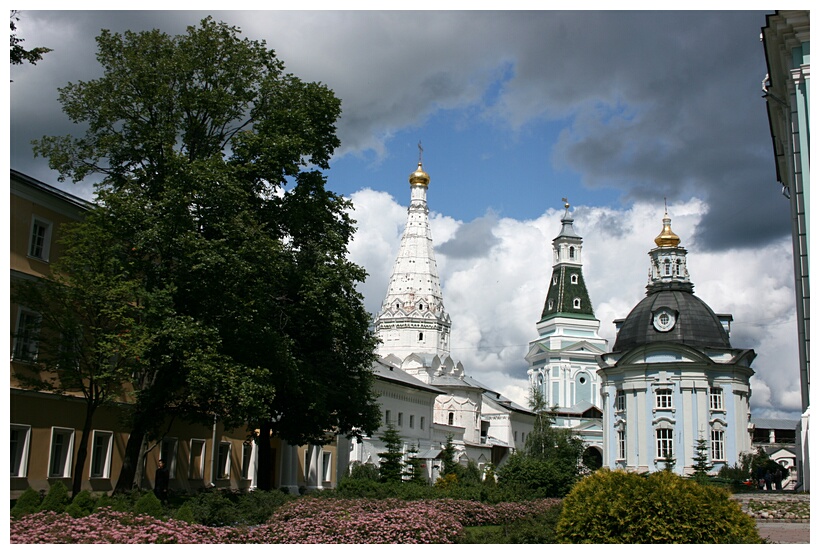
[[620, 112]]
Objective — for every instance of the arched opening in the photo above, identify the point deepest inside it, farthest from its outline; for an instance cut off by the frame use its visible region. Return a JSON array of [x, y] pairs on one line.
[[593, 458]]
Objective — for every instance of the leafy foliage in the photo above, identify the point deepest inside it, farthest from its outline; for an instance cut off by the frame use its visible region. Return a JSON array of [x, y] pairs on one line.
[[18, 54], [148, 504], [27, 503], [391, 464], [700, 461], [82, 504], [213, 204], [56, 498], [627, 508], [550, 463]]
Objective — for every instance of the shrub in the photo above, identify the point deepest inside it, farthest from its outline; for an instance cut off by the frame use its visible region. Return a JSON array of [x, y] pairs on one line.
[[82, 505], [531, 477], [28, 503], [148, 504], [56, 498], [185, 513], [214, 508], [119, 502], [536, 529], [364, 471], [257, 506], [627, 508]]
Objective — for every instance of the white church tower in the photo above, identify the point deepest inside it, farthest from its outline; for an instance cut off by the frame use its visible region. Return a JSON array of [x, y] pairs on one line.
[[412, 317], [562, 360]]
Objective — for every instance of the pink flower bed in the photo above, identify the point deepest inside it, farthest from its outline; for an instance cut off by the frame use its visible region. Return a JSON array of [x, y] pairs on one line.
[[303, 521]]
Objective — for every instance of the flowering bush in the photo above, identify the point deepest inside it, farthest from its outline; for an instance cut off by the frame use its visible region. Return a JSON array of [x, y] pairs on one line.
[[303, 521], [109, 527]]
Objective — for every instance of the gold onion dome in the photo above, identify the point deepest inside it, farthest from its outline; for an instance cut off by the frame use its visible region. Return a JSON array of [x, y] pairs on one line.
[[419, 177], [667, 237]]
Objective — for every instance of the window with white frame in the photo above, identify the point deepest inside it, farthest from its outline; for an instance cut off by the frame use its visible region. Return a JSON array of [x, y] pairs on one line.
[[718, 450], [716, 399], [168, 454], [573, 279], [60, 454], [196, 462], [223, 468], [101, 448], [576, 303], [27, 335], [621, 444], [620, 401], [571, 252], [663, 399], [326, 473], [20, 440], [247, 455], [663, 443], [40, 243]]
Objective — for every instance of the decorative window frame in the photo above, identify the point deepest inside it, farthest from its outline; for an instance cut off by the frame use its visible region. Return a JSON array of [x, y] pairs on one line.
[[717, 444], [664, 435], [716, 400], [39, 245], [65, 456], [168, 454], [223, 458], [20, 452], [196, 459], [101, 458]]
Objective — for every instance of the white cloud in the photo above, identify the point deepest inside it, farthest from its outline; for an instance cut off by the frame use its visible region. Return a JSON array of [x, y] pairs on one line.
[[496, 298]]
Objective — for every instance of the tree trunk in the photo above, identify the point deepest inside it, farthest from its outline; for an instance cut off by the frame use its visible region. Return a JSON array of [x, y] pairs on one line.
[[263, 468], [82, 450], [130, 461]]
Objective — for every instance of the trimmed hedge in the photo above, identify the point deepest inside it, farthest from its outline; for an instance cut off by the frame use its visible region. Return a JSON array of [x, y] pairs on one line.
[[661, 508]]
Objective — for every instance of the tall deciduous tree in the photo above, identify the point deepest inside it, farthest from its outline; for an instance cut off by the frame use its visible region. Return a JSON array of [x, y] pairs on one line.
[[91, 327], [210, 158], [18, 54]]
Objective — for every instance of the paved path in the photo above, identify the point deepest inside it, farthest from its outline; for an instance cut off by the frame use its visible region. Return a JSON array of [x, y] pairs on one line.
[[783, 532]]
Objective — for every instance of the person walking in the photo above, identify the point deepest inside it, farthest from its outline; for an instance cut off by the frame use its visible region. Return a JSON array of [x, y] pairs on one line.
[[161, 478], [768, 479]]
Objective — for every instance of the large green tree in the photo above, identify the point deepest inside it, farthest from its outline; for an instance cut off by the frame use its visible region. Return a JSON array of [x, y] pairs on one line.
[[550, 462], [210, 157], [90, 335], [17, 53]]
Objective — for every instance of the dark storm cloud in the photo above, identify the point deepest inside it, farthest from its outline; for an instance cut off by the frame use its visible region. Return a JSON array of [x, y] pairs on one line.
[[472, 240], [653, 104]]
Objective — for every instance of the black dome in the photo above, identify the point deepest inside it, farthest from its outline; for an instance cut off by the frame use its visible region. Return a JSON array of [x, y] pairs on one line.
[[695, 324]]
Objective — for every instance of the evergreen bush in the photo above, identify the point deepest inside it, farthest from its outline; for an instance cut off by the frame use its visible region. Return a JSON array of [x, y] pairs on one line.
[[27, 503], [56, 498], [185, 513], [617, 507], [82, 505], [148, 504]]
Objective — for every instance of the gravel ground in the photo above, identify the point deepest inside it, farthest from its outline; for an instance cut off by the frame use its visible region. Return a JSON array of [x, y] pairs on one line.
[[782, 518]]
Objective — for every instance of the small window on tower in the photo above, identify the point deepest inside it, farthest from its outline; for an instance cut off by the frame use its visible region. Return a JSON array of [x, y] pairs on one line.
[[571, 252], [421, 336], [549, 304], [573, 279], [555, 279], [421, 306], [576, 303]]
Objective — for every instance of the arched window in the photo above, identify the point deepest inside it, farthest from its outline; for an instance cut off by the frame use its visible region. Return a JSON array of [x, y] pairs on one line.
[[450, 418], [549, 304], [573, 279], [678, 268], [576, 303], [421, 336], [555, 279], [571, 252], [667, 267], [421, 306]]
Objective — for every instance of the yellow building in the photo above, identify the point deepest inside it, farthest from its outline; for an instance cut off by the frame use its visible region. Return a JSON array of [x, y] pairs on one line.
[[46, 428]]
